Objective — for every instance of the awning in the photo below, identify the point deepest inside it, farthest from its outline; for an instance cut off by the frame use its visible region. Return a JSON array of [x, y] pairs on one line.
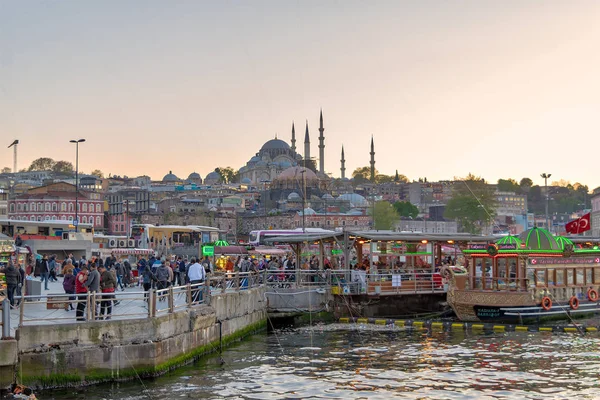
[[307, 237], [382, 236], [273, 251]]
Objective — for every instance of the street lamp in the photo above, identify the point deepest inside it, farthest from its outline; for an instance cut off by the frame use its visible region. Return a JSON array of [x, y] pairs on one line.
[[77, 181], [546, 176], [303, 201]]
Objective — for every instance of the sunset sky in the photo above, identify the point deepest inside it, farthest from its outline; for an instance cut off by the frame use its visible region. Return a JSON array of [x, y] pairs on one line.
[[497, 88]]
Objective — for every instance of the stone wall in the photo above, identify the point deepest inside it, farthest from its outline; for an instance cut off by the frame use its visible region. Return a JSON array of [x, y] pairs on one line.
[[85, 353]]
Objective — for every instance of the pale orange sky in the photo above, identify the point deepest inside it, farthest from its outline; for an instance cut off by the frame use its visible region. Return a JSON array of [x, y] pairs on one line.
[[501, 89]]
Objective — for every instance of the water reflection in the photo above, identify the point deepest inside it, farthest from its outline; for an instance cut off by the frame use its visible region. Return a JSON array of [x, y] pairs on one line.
[[360, 362]]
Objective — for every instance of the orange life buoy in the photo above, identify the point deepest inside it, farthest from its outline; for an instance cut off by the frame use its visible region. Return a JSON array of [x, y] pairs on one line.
[[546, 303], [574, 303], [592, 295]]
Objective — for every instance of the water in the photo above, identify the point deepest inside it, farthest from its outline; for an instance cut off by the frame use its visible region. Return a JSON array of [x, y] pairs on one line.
[[341, 361]]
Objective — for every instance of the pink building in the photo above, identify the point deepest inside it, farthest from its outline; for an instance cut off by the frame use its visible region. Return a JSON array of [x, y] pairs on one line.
[[56, 202]]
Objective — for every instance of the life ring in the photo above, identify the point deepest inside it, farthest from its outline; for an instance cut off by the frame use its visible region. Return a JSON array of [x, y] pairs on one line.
[[592, 295], [546, 303], [574, 303]]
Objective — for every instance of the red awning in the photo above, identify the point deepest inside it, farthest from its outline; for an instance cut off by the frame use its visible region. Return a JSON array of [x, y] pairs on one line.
[[230, 250]]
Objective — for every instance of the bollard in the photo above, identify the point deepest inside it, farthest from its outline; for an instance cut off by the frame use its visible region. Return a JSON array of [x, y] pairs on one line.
[[5, 318]]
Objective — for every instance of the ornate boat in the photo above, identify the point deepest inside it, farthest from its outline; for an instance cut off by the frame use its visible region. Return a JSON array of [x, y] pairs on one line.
[[524, 279]]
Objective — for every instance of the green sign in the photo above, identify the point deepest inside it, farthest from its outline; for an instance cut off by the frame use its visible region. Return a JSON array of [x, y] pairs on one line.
[[336, 252], [208, 250]]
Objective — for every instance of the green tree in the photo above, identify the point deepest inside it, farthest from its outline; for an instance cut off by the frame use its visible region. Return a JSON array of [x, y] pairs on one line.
[[406, 209], [98, 173], [400, 178], [63, 167], [385, 216], [42, 164], [6, 170], [227, 174], [381, 178], [473, 204], [363, 174], [508, 185]]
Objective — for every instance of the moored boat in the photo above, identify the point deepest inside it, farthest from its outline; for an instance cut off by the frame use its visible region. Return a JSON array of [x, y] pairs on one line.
[[528, 278]]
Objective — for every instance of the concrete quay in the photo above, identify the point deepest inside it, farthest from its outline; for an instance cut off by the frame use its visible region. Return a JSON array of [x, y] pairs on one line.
[[44, 355]]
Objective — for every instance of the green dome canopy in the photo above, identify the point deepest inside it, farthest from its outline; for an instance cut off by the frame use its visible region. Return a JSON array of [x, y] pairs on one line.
[[539, 239], [563, 241], [510, 240]]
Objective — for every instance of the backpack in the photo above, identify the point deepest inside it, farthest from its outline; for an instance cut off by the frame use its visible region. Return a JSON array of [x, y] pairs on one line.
[[206, 266], [162, 274]]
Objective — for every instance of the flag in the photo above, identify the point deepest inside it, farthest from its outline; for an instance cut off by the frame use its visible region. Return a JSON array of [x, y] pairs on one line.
[[579, 225]]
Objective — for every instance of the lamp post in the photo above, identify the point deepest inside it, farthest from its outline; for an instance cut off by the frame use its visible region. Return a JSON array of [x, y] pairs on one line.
[[303, 201], [546, 176], [77, 181]]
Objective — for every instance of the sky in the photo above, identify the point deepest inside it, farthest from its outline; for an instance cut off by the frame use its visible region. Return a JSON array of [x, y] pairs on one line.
[[501, 89]]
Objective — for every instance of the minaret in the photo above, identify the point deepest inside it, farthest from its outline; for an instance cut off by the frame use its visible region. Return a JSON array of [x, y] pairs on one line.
[[293, 138], [372, 160], [343, 161], [306, 146], [321, 145]]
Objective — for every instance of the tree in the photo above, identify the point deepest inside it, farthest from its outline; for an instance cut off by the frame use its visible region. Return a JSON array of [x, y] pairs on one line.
[[227, 174], [363, 174], [406, 209], [385, 216], [400, 178], [6, 170], [63, 167], [98, 173], [473, 204], [508, 185], [380, 178], [525, 184], [42, 164]]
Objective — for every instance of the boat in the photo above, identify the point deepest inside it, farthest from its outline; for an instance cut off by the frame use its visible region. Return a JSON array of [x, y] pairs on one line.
[[529, 278]]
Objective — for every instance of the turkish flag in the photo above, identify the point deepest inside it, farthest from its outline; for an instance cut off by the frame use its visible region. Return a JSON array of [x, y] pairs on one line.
[[579, 225]]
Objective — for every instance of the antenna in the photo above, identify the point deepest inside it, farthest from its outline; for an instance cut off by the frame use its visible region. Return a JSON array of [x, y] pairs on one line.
[[14, 144]]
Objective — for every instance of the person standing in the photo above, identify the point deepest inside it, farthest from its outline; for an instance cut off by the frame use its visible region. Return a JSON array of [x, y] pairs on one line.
[[45, 271], [81, 291], [196, 275], [21, 283], [162, 275], [52, 265], [120, 271], [141, 268], [13, 278], [93, 283], [107, 286], [69, 285]]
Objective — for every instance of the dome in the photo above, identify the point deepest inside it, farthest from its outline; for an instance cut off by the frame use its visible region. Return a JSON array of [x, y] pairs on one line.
[[564, 242], [285, 164], [261, 163], [294, 196], [296, 173], [170, 177], [510, 240], [254, 159], [539, 239], [194, 176], [212, 177], [355, 199], [308, 211], [327, 196], [246, 181], [275, 144]]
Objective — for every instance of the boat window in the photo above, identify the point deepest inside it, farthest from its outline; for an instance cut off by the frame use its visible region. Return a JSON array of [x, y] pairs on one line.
[[531, 277], [588, 276], [540, 275], [560, 277], [570, 275], [579, 279], [596, 275], [551, 279]]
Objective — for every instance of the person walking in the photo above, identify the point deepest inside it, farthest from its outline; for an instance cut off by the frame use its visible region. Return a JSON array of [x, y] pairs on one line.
[[93, 283], [120, 271], [196, 275], [52, 266], [69, 285], [162, 275], [13, 278], [81, 292], [107, 286], [45, 271]]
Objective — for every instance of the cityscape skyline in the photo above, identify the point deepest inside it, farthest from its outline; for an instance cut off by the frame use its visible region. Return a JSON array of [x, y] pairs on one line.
[[493, 89]]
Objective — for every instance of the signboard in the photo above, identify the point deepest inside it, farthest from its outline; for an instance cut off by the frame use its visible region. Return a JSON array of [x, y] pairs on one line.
[[563, 260], [208, 250], [507, 246], [477, 246], [337, 252], [75, 222], [486, 313]]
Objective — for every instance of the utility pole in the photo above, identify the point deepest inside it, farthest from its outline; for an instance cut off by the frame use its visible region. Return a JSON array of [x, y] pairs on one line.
[[546, 176]]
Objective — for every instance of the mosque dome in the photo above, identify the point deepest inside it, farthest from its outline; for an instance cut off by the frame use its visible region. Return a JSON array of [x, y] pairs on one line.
[[285, 164], [353, 198], [293, 196], [194, 176], [254, 160], [296, 173], [246, 181], [212, 177], [308, 211], [327, 196], [275, 144], [170, 177]]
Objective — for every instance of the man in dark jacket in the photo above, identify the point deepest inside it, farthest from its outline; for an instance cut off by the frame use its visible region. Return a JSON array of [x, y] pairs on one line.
[[45, 271], [13, 278]]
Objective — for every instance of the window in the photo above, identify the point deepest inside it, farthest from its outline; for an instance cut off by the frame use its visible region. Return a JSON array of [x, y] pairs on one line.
[[25, 207], [39, 218], [54, 207], [71, 207], [63, 206], [70, 218], [98, 208], [84, 207], [98, 221], [19, 207], [32, 218], [47, 217], [39, 207], [355, 223], [54, 218], [33, 207], [47, 207], [12, 208], [84, 220], [63, 218]]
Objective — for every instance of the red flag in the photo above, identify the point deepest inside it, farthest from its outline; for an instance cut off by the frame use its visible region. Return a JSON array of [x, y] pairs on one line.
[[579, 225]]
